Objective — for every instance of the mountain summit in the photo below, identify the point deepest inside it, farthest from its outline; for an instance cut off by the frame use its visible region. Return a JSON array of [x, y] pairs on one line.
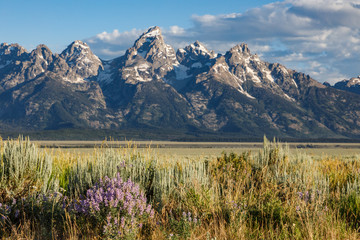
[[152, 87], [351, 85]]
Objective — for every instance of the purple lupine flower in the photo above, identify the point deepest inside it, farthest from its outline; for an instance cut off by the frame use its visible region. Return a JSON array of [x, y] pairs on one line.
[[148, 209], [307, 196], [152, 213], [17, 213], [300, 195], [122, 222], [115, 196]]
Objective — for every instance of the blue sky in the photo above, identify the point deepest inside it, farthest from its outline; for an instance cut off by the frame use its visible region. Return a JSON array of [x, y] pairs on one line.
[[320, 38], [57, 23]]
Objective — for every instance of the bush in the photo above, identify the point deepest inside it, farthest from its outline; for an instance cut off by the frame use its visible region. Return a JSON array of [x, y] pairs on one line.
[[45, 211], [349, 208], [114, 208], [24, 170]]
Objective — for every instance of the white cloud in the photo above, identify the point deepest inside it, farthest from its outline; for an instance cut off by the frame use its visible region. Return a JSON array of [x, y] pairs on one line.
[[114, 44], [176, 31], [320, 38], [117, 37]]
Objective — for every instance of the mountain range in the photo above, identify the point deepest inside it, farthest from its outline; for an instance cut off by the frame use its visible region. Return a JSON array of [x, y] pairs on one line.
[[155, 88]]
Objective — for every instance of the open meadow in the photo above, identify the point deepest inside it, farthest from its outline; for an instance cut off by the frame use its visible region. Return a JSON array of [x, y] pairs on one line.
[[206, 149], [168, 190]]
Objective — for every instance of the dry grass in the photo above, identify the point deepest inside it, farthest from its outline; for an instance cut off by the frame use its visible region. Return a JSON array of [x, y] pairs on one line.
[[272, 193]]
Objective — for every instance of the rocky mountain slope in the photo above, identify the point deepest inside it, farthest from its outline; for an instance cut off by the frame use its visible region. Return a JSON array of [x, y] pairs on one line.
[[155, 87], [352, 85]]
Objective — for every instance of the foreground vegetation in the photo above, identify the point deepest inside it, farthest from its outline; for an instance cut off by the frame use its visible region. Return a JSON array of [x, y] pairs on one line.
[[122, 194]]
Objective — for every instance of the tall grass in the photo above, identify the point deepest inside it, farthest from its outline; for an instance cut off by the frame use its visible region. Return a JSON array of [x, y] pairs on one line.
[[24, 169], [159, 177], [270, 194]]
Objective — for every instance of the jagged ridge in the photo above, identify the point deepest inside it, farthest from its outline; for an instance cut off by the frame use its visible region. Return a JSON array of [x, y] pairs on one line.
[[154, 87]]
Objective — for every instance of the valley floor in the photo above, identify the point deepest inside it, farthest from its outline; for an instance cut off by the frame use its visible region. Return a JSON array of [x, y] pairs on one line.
[[205, 149]]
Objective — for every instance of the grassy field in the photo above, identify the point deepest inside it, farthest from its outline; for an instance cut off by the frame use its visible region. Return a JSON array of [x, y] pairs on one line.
[[120, 190], [206, 149]]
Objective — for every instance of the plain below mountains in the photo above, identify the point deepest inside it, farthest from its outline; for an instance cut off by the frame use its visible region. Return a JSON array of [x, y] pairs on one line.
[[155, 88]]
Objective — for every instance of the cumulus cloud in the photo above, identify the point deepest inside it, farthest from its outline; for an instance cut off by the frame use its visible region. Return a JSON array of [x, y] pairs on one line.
[[320, 38], [114, 44]]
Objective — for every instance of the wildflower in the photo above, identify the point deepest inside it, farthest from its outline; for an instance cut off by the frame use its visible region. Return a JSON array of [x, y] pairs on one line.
[[17, 213], [307, 196], [114, 196], [122, 222], [300, 195]]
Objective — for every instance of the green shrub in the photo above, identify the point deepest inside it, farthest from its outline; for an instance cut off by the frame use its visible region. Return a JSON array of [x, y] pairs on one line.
[[24, 170], [349, 208], [45, 211]]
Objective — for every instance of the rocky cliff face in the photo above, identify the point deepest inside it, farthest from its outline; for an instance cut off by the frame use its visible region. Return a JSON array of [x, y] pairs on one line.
[[154, 87], [352, 85]]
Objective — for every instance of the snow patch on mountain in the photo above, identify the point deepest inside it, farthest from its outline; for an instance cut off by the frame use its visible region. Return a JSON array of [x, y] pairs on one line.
[[196, 65], [269, 76], [6, 64], [295, 84], [153, 32], [105, 75], [253, 75], [74, 80], [181, 72]]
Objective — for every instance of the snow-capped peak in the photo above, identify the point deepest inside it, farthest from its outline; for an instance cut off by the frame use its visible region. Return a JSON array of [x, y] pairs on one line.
[[151, 46], [81, 59], [151, 35], [76, 48], [80, 44], [199, 47], [151, 32], [241, 49], [354, 81], [13, 49], [79, 50]]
